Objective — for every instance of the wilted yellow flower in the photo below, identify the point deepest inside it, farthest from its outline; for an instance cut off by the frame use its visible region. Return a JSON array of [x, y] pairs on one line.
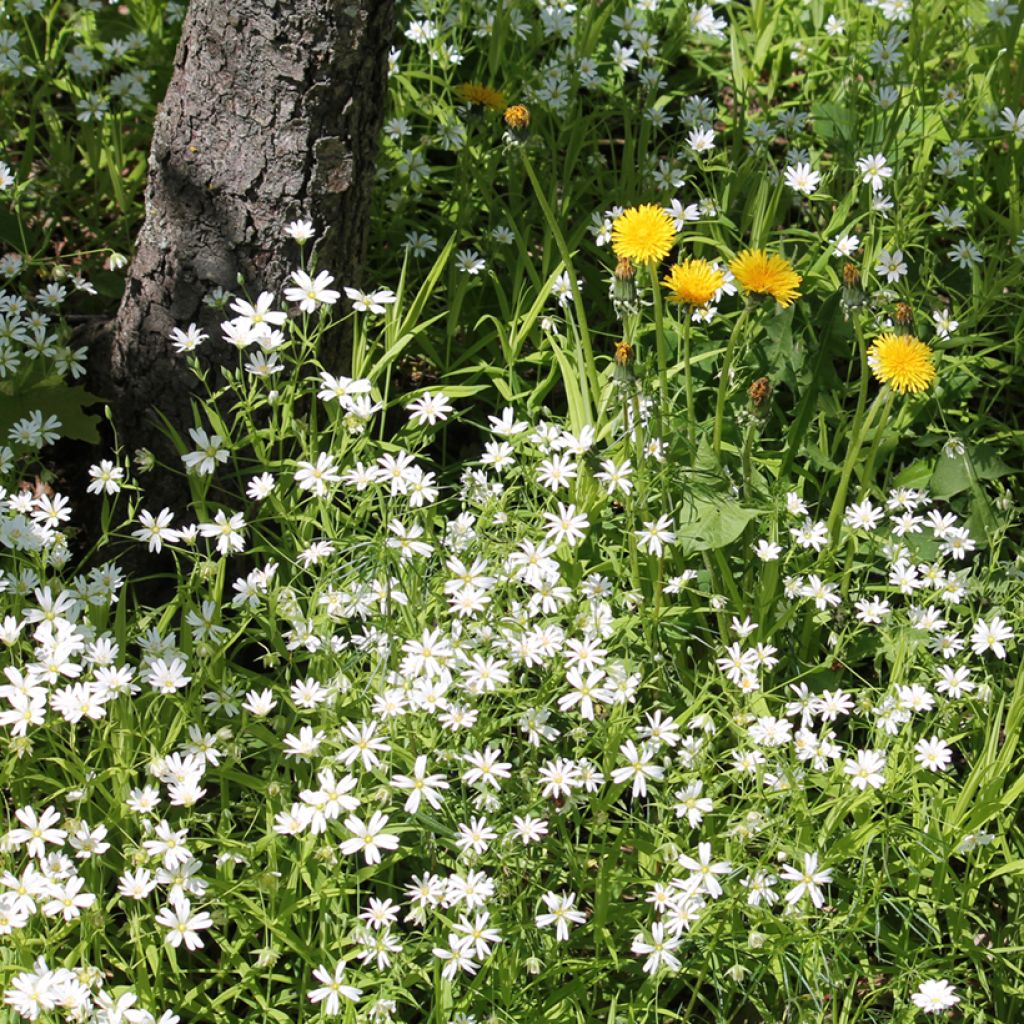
[[902, 361], [517, 117], [766, 274], [693, 282], [483, 95], [643, 233]]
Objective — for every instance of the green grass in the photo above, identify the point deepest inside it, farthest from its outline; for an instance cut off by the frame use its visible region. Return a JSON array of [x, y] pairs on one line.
[[814, 581]]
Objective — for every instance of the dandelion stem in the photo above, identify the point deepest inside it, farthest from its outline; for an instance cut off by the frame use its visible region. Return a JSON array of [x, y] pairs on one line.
[[723, 385], [859, 434], [691, 411], [659, 337], [852, 451]]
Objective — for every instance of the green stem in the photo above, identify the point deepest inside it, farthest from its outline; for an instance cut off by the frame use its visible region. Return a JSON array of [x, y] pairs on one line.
[[876, 441], [691, 410], [855, 434], [748, 461], [723, 385], [659, 336], [859, 433], [577, 298]]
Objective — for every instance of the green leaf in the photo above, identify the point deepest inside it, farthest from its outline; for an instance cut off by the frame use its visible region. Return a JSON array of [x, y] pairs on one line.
[[955, 473], [68, 404], [714, 523]]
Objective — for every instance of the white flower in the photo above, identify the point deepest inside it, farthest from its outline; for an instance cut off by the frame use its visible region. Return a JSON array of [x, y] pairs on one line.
[[228, 532], [317, 476], [333, 989], [701, 140], [258, 318], [429, 408], [183, 925], [310, 292], [1011, 122], [935, 995], [891, 265], [105, 477], [210, 451], [704, 871], [188, 340], [156, 530], [469, 261], [639, 767], [658, 949], [945, 325], [866, 769], [421, 786], [371, 302], [368, 837], [300, 230], [561, 913], [808, 880], [991, 636], [810, 534], [800, 178], [655, 536], [864, 516], [568, 526], [965, 254], [845, 245], [874, 170], [933, 754]]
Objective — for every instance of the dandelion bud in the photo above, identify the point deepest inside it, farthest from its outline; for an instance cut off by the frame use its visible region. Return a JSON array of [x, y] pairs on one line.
[[623, 289], [760, 391], [904, 315], [517, 118], [623, 353], [853, 296]]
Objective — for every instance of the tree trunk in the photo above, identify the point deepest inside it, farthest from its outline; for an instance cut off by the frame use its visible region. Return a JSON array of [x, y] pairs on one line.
[[272, 114]]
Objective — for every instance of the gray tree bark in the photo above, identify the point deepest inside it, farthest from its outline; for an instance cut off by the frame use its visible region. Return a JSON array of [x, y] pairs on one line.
[[273, 113]]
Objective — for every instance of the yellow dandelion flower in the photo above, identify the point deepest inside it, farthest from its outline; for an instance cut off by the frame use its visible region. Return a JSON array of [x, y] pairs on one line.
[[643, 233], [693, 282], [902, 362], [481, 95], [766, 274]]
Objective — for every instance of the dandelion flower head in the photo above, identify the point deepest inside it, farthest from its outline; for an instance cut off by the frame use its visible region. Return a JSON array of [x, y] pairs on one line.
[[903, 362], [693, 282], [643, 233], [481, 95], [766, 274], [517, 117]]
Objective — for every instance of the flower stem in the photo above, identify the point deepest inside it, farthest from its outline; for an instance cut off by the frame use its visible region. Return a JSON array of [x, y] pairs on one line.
[[691, 411], [723, 385], [859, 434], [659, 336]]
